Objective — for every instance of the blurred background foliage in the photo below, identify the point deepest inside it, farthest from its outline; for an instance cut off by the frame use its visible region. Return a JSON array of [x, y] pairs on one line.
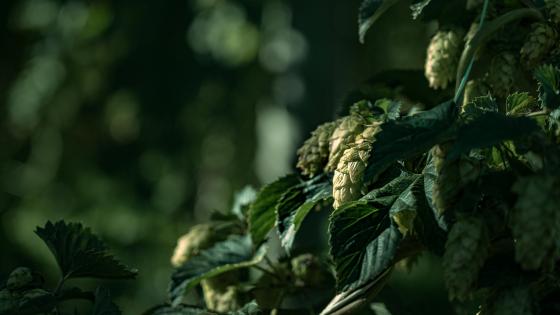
[[139, 118]]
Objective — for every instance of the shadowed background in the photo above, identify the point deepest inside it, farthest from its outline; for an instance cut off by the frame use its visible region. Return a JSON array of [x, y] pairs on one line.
[[138, 118]]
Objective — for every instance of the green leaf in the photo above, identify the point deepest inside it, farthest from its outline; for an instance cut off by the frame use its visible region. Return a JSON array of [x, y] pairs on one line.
[[250, 308], [519, 103], [234, 253], [103, 304], [363, 243], [405, 208], [408, 136], [418, 6], [548, 77], [478, 106], [295, 205], [79, 253], [490, 129], [370, 11], [262, 212]]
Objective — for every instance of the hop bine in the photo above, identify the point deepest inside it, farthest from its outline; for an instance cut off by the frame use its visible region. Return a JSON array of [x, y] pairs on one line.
[[538, 43], [442, 58]]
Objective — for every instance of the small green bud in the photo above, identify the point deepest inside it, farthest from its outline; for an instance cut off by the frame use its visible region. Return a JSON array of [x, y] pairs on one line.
[[442, 58], [307, 269]]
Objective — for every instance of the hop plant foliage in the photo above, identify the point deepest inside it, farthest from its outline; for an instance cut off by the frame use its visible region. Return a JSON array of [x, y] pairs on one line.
[[535, 221], [442, 58], [198, 238], [314, 154], [465, 252], [538, 44]]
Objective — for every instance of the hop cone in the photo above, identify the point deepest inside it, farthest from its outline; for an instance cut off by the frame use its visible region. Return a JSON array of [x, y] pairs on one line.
[[538, 43], [347, 129], [221, 294], [501, 74], [473, 89], [348, 176], [20, 278], [553, 8], [452, 175], [314, 153], [535, 221], [442, 58], [511, 301], [198, 238], [466, 250], [307, 269]]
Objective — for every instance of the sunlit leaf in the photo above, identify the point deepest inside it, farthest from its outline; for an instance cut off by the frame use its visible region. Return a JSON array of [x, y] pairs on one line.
[[234, 253], [262, 212], [79, 253]]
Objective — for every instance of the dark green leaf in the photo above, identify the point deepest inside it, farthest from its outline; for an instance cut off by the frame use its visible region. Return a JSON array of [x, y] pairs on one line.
[[262, 213], [549, 86], [234, 253], [295, 205], [478, 106], [250, 308], [488, 130], [103, 304], [370, 11], [80, 253], [363, 243], [405, 137]]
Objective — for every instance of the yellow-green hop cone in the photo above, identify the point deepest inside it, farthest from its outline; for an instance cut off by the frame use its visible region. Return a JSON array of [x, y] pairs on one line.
[[314, 153], [221, 294], [348, 176], [501, 74], [199, 237], [343, 136], [443, 55], [538, 44], [466, 250], [553, 10], [516, 300], [474, 89], [535, 221]]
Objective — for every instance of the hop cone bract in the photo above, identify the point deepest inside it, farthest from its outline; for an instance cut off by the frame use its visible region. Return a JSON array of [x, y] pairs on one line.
[[501, 73], [314, 153], [538, 43]]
